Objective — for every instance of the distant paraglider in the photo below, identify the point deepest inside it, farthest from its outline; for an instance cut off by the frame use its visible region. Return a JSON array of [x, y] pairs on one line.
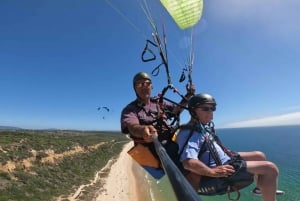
[[104, 110]]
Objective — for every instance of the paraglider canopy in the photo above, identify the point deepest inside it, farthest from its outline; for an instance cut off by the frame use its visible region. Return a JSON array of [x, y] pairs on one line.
[[186, 13], [104, 110]]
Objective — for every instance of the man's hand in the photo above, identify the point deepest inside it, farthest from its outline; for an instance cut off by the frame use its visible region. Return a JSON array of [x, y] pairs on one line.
[[190, 90], [222, 171], [142, 131], [147, 133]]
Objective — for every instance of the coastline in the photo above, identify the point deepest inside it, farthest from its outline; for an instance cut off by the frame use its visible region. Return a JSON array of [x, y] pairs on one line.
[[120, 182], [141, 186], [126, 180]]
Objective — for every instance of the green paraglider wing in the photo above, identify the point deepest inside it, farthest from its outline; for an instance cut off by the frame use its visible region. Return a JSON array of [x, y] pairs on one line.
[[186, 13]]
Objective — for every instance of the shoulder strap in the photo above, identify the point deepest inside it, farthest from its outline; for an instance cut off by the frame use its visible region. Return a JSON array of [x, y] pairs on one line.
[[210, 145], [213, 151], [202, 150], [225, 149]]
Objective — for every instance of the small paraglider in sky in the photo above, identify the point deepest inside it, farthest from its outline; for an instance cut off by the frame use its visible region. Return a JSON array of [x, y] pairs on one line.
[[104, 110]]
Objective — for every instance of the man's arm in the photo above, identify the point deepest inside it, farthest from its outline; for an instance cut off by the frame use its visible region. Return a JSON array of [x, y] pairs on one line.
[[198, 167], [141, 131], [184, 101]]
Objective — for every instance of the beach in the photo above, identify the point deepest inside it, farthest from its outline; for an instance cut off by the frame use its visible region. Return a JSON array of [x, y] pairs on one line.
[[120, 179], [120, 183], [126, 180]]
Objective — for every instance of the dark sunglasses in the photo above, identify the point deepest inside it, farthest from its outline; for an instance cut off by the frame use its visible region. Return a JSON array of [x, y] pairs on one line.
[[206, 109], [143, 84]]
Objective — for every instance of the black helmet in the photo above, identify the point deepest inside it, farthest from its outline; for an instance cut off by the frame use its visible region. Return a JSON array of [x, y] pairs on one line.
[[140, 76], [201, 99]]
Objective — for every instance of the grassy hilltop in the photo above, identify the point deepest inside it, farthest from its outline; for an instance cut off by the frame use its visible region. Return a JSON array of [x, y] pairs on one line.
[[51, 165]]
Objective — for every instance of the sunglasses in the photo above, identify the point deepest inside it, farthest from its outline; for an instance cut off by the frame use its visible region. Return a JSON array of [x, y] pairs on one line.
[[143, 84], [206, 109]]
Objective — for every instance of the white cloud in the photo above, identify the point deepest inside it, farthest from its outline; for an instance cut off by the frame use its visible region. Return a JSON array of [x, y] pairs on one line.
[[278, 120]]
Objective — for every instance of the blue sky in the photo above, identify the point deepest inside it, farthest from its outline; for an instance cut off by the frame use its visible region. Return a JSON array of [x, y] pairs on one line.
[[61, 60]]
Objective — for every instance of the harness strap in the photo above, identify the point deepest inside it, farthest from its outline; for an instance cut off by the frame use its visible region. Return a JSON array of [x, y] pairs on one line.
[[237, 196], [217, 139], [217, 159], [212, 149]]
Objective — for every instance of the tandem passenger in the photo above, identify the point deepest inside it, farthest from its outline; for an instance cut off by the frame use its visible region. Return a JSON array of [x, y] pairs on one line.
[[204, 156]]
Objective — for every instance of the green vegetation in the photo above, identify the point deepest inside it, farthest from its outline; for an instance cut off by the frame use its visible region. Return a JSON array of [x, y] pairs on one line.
[[48, 180]]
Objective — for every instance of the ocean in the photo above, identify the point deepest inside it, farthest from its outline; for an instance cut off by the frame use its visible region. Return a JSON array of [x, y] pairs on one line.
[[280, 144]]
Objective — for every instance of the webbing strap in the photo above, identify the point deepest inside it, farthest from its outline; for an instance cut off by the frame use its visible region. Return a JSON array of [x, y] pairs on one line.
[[237, 196], [212, 149]]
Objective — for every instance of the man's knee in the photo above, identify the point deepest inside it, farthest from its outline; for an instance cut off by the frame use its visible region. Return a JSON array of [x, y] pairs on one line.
[[260, 155], [273, 168]]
